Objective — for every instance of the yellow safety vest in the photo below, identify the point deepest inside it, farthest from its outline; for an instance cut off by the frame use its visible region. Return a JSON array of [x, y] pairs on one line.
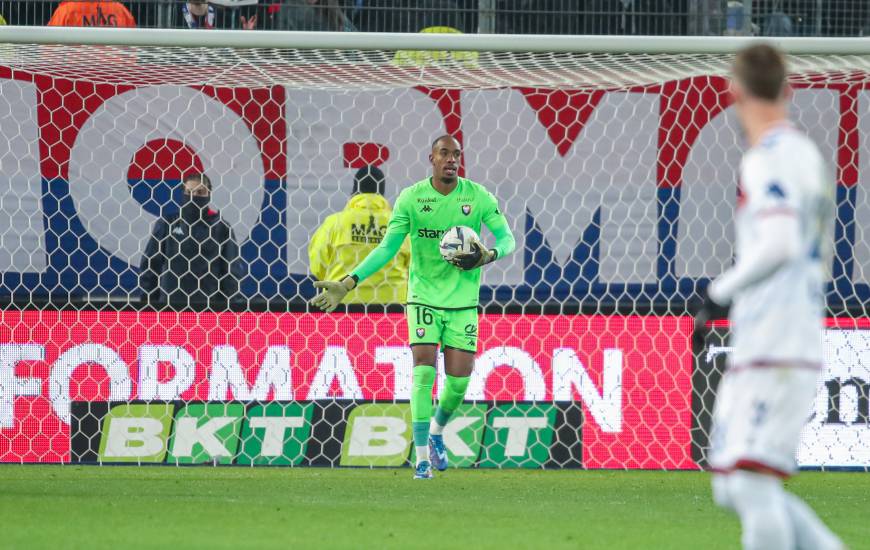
[[346, 238]]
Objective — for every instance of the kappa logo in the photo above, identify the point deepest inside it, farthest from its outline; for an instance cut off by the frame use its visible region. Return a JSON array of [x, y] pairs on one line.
[[426, 208], [178, 231], [466, 209], [421, 332]]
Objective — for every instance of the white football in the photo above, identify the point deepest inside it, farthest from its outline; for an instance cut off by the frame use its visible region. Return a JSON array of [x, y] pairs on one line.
[[457, 240]]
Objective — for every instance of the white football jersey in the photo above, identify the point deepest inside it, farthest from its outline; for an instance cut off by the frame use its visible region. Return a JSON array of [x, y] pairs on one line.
[[780, 318]]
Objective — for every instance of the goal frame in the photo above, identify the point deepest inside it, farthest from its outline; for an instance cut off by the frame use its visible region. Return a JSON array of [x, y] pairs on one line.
[[309, 40], [611, 339]]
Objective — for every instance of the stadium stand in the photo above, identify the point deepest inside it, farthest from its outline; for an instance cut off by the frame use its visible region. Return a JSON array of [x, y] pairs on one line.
[[605, 17]]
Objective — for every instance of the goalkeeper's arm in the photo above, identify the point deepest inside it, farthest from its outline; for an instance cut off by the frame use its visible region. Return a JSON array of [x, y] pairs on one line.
[[379, 257], [504, 241], [498, 225], [335, 291], [397, 230]]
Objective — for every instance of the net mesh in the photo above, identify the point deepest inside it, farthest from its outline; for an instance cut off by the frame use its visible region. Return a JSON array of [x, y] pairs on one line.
[[617, 174], [387, 69]]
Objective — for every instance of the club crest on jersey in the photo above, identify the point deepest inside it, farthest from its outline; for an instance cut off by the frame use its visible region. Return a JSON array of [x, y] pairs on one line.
[[466, 209], [421, 332]]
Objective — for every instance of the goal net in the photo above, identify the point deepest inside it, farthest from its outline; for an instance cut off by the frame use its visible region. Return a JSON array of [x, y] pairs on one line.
[[614, 161]]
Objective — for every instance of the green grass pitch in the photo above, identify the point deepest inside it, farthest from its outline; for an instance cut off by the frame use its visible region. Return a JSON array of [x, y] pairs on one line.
[[206, 507]]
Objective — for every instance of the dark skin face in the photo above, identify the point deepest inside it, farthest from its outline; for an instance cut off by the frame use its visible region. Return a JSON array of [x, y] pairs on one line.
[[445, 157]]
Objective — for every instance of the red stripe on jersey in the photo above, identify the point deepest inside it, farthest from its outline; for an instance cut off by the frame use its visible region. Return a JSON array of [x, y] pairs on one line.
[[751, 465], [760, 467]]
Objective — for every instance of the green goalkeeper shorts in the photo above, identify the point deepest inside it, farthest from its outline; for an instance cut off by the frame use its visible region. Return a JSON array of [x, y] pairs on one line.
[[452, 328]]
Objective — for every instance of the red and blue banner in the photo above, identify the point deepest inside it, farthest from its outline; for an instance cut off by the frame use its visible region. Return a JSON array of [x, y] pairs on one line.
[[613, 195]]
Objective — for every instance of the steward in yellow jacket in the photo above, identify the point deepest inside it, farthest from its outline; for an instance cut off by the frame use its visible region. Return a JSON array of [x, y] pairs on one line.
[[345, 239]]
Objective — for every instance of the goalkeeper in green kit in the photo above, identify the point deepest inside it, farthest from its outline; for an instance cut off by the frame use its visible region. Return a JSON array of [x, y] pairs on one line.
[[442, 296]]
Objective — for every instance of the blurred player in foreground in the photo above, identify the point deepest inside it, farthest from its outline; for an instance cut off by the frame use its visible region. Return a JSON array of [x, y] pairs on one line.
[[442, 298], [784, 225]]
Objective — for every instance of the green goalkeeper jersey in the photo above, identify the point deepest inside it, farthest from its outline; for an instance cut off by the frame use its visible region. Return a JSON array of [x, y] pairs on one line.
[[425, 215]]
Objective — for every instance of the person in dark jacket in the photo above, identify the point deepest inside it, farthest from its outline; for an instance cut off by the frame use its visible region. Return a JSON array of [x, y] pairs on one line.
[[310, 15], [192, 259]]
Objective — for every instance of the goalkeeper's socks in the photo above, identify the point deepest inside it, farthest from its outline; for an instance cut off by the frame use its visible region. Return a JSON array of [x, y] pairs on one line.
[[421, 409], [439, 421], [450, 398], [421, 433]]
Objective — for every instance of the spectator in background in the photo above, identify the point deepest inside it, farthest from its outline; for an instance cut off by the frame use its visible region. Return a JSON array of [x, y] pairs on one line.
[[778, 24], [413, 15], [738, 21], [346, 238], [310, 15], [202, 15], [554, 16], [105, 13], [441, 13], [198, 15], [192, 258]]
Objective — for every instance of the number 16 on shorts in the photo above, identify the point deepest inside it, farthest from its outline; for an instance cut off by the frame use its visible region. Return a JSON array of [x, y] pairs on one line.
[[453, 328]]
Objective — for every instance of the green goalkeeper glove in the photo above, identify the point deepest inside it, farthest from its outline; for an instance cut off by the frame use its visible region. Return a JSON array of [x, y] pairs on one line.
[[333, 293]]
